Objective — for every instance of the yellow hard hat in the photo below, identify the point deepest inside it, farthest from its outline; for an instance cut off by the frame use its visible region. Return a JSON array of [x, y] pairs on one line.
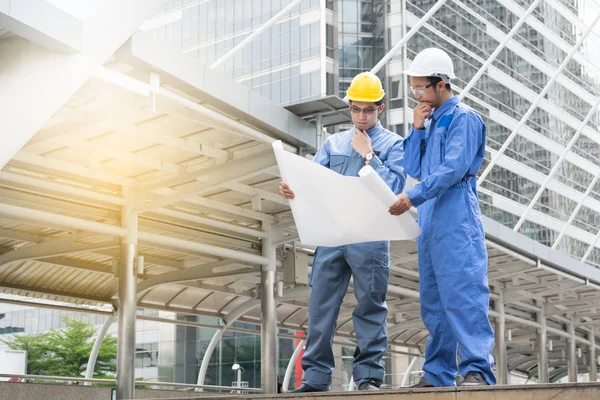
[[366, 87]]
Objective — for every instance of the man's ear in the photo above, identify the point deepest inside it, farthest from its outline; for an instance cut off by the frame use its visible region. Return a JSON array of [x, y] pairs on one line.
[[442, 86]]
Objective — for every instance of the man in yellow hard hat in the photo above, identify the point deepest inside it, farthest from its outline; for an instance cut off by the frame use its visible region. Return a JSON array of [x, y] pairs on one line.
[[368, 143]]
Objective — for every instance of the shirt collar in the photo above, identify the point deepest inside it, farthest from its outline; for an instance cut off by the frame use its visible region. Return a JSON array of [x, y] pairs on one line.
[[374, 130], [452, 101]]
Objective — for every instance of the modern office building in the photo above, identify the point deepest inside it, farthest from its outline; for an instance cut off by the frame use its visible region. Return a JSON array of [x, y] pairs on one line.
[[319, 46], [164, 107]]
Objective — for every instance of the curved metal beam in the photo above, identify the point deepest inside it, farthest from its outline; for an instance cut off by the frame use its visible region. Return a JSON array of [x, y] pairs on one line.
[[91, 365], [352, 384], [183, 275], [406, 377], [196, 247], [521, 361], [228, 320], [290, 366], [207, 355], [44, 218], [56, 247], [238, 312]]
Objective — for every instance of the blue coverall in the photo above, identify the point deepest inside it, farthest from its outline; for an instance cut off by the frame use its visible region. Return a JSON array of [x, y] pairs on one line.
[[368, 263], [454, 291]]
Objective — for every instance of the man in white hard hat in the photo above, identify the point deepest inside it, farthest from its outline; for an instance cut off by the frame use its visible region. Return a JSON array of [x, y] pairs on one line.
[[444, 149], [368, 263]]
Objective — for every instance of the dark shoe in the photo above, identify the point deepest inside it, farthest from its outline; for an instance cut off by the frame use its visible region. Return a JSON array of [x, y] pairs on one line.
[[474, 379], [304, 388], [423, 383], [368, 384]]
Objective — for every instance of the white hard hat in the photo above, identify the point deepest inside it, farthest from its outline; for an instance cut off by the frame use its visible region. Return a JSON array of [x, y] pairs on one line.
[[432, 62]]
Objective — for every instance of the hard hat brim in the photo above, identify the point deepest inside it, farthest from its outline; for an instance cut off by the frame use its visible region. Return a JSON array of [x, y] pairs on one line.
[[415, 73], [365, 99]]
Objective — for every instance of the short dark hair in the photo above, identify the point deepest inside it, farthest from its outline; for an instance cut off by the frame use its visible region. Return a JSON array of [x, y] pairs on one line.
[[434, 80]]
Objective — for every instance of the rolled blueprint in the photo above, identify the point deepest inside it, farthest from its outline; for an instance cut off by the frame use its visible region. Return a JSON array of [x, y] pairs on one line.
[[333, 210], [377, 186]]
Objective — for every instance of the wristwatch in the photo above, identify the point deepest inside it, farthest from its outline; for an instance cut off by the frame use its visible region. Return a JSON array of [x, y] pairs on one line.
[[368, 157]]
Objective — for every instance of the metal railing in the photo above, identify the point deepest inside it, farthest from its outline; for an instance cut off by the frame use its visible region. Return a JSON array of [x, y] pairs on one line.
[[137, 383]]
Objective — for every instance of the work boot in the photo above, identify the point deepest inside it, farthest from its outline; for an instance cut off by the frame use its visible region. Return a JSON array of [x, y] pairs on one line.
[[423, 383], [305, 388], [474, 379], [368, 384]]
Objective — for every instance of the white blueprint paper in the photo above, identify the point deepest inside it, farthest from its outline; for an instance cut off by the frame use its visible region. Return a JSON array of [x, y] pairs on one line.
[[333, 210]]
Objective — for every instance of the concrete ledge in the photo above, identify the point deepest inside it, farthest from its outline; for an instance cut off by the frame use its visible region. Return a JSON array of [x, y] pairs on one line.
[[41, 391], [47, 25], [567, 391]]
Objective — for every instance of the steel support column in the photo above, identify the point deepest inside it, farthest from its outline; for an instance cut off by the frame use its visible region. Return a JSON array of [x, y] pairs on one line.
[[593, 359], [571, 352], [127, 303], [542, 339], [501, 366], [320, 138], [268, 305], [405, 108]]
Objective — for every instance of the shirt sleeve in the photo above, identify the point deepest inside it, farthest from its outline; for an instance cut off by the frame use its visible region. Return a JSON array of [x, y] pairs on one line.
[[322, 155], [465, 136], [412, 152], [392, 171]]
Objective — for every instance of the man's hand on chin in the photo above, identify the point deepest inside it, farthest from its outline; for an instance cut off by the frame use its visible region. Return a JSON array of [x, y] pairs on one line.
[[361, 142]]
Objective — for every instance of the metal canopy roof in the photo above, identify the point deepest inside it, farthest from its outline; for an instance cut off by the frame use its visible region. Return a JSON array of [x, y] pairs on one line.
[[195, 152], [332, 109]]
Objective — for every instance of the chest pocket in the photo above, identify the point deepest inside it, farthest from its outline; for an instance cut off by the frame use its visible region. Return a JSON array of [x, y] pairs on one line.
[[338, 163], [436, 146]]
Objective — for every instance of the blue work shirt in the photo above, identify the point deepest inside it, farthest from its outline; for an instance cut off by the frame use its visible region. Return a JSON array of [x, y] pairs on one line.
[[337, 154], [448, 150]]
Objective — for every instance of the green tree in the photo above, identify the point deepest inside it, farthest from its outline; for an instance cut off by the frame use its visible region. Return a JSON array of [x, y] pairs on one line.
[[65, 352], [38, 357]]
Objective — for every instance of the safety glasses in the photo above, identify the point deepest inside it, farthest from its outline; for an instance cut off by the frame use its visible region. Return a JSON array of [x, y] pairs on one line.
[[420, 89], [364, 110]]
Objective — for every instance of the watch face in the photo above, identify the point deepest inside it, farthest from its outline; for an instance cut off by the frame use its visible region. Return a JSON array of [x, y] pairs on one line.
[[369, 156]]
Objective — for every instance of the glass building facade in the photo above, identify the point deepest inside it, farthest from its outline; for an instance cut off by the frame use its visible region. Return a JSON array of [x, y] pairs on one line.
[[283, 64], [320, 45], [470, 31]]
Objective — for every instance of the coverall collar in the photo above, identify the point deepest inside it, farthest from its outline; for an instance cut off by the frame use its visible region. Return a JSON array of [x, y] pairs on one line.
[[452, 101]]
